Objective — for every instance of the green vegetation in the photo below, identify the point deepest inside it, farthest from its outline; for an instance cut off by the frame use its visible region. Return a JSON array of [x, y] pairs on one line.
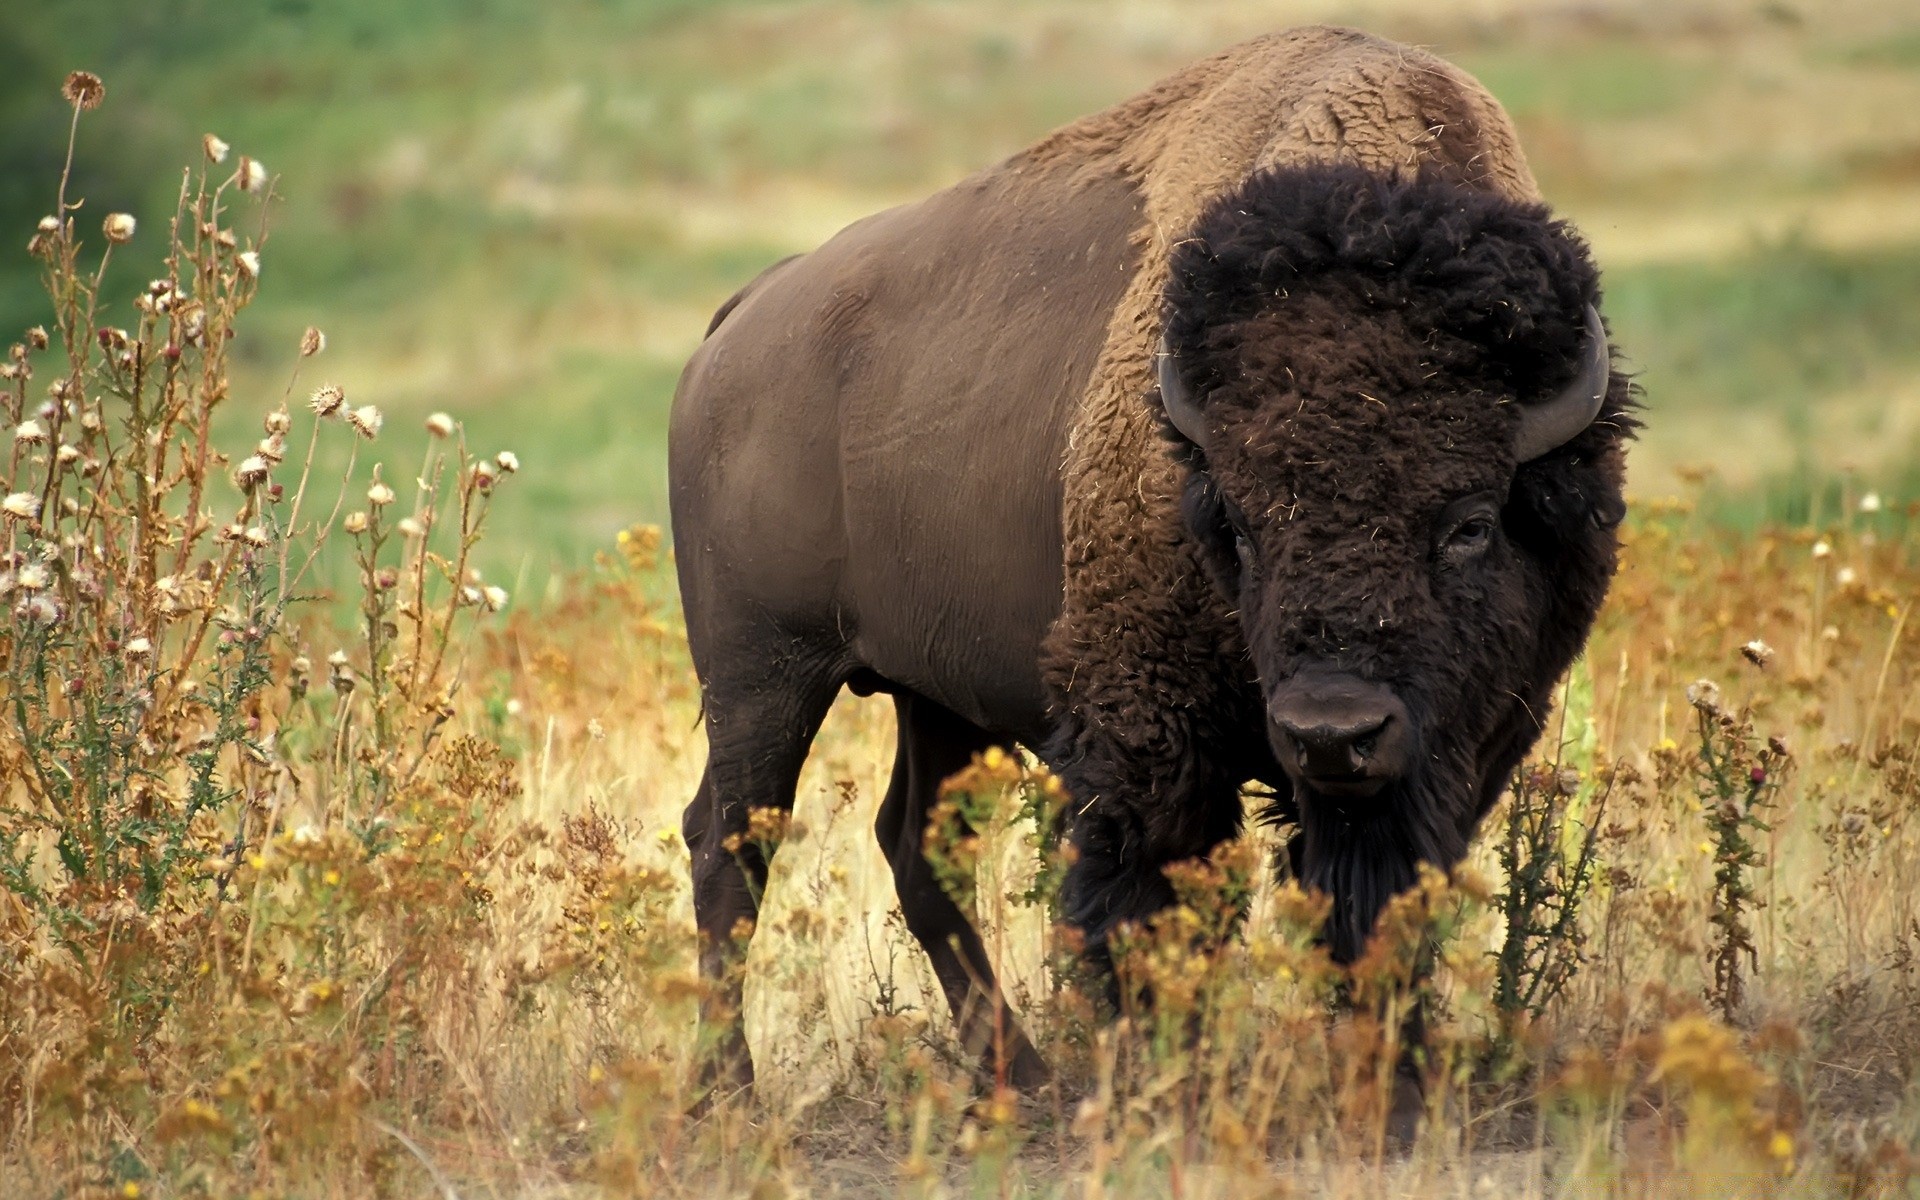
[[384, 894], [526, 211]]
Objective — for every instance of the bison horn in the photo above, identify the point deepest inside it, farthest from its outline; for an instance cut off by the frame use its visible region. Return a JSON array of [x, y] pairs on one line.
[[1553, 423], [1181, 410]]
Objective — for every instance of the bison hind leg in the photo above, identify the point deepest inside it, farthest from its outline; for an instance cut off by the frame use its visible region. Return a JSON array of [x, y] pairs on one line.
[[759, 729], [934, 743]]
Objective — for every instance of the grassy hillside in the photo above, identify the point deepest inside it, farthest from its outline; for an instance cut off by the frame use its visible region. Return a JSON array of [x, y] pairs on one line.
[[385, 895], [526, 211]]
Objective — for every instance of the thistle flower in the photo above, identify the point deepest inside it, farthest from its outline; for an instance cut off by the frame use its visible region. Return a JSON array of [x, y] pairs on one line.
[[37, 610], [327, 400], [273, 449], [379, 495], [494, 596], [365, 421], [67, 455], [251, 473], [30, 433], [252, 175], [250, 264], [278, 422], [440, 425], [255, 537], [118, 227], [1704, 694], [24, 506], [508, 461], [355, 524], [1757, 652], [37, 338], [83, 90], [139, 648], [484, 474], [312, 342]]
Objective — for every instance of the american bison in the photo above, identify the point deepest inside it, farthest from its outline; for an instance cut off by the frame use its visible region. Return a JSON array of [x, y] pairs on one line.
[[1260, 428]]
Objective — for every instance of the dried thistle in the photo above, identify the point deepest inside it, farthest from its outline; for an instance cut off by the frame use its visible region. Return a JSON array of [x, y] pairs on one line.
[[84, 90]]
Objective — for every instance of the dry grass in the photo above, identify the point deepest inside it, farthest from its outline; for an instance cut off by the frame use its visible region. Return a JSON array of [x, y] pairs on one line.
[[418, 922]]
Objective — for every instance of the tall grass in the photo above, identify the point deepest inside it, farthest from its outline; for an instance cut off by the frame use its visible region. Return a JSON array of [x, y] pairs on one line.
[[379, 892]]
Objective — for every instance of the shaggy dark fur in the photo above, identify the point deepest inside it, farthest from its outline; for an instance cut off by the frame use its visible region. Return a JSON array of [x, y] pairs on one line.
[[1360, 346]]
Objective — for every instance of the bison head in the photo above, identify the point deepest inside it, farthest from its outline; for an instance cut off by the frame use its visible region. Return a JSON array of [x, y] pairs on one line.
[[1403, 443]]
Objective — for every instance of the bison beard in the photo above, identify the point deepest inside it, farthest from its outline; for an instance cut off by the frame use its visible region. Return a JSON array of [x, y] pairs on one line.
[[1297, 303]]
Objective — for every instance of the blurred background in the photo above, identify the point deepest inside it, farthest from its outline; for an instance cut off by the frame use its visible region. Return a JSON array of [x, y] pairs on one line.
[[524, 211]]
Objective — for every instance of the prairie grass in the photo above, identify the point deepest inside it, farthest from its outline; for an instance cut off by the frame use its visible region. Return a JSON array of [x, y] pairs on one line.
[[551, 238], [328, 869]]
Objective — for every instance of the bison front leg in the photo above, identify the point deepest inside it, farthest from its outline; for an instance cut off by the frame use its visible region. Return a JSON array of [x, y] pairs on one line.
[[1131, 817]]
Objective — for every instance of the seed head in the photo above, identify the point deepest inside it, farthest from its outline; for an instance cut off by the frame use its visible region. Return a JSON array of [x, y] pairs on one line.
[[215, 148], [494, 596], [365, 421], [508, 461], [327, 400], [252, 472], [1870, 503], [379, 495], [249, 261], [411, 527], [1846, 576], [355, 524], [1822, 548], [83, 90], [67, 455], [312, 342], [1704, 694], [278, 422], [252, 175], [37, 610], [118, 227], [273, 448], [23, 506], [1757, 652], [440, 425], [484, 474], [139, 648], [37, 338], [255, 536], [30, 433]]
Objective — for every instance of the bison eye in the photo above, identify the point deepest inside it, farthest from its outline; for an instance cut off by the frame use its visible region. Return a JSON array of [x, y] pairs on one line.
[[1471, 534], [1467, 529]]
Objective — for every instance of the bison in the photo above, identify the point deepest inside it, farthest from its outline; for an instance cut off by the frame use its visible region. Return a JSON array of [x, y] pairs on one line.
[[1260, 428]]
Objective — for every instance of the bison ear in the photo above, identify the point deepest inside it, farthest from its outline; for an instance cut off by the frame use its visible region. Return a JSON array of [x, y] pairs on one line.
[[1206, 519], [1181, 411]]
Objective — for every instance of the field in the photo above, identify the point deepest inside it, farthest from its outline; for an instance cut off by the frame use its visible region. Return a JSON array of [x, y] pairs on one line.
[[413, 919]]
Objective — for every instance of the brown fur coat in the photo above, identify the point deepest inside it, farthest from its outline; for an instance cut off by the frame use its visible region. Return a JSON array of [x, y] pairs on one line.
[[1305, 95]]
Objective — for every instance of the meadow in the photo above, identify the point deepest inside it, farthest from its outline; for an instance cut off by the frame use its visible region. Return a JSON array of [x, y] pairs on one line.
[[339, 846]]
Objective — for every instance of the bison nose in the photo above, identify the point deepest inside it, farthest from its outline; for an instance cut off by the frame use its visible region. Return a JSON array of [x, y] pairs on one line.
[[1340, 735]]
